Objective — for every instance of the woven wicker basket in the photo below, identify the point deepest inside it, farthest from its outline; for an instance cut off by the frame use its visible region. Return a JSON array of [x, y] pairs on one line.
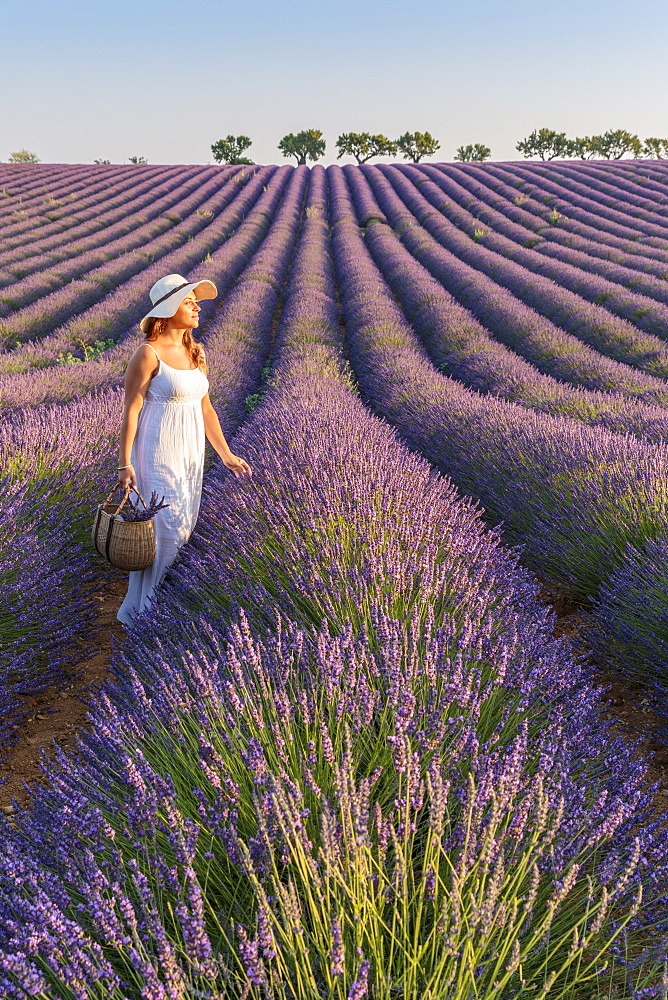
[[128, 545]]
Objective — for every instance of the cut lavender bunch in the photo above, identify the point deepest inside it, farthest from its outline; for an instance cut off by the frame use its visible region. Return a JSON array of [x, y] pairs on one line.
[[132, 511]]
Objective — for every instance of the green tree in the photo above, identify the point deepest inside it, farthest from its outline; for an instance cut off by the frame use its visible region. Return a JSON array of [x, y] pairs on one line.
[[101, 161], [24, 156], [308, 144], [415, 145], [545, 144], [231, 149], [655, 149], [474, 153], [137, 159], [613, 144], [582, 147], [363, 145]]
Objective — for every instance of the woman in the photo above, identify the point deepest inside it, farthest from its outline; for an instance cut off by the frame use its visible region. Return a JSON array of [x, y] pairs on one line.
[[167, 416]]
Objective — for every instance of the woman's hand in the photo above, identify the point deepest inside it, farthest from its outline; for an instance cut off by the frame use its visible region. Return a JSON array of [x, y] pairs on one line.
[[215, 436], [238, 466], [126, 477]]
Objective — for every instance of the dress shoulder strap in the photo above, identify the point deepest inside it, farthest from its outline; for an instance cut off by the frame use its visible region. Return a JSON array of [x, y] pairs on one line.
[[153, 349], [157, 356]]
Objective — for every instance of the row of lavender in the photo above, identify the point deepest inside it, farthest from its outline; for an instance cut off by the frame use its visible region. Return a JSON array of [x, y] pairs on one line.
[[205, 216], [636, 299], [618, 195], [419, 270], [612, 194], [382, 777], [50, 262], [219, 251], [430, 258], [519, 200], [631, 614], [522, 203], [46, 207], [46, 311], [482, 200], [58, 457], [580, 232], [54, 461], [574, 320], [582, 501]]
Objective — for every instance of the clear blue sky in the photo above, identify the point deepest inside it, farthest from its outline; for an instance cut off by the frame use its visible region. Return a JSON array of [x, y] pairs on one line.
[[90, 79]]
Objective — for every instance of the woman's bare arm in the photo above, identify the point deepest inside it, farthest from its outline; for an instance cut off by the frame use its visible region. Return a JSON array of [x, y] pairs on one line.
[[141, 368], [214, 434]]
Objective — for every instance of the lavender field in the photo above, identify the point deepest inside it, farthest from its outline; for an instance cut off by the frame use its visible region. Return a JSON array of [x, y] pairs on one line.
[[344, 755]]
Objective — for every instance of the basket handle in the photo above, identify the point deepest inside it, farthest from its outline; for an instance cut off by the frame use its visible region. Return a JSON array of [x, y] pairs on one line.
[[128, 489]]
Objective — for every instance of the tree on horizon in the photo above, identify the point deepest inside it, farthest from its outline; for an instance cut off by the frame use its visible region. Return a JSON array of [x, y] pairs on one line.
[[231, 149], [307, 144], [655, 149], [415, 145], [24, 156], [363, 146], [546, 144], [613, 144], [474, 153]]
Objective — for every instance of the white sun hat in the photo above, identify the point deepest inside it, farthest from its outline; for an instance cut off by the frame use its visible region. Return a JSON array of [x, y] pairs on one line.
[[168, 294]]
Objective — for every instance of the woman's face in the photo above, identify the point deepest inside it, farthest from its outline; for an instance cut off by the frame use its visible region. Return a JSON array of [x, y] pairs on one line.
[[187, 315]]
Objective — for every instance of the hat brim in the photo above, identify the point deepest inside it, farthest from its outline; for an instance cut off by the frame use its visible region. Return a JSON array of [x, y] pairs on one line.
[[203, 290]]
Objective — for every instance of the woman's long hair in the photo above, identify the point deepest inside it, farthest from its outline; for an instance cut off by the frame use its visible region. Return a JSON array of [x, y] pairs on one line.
[[195, 352]]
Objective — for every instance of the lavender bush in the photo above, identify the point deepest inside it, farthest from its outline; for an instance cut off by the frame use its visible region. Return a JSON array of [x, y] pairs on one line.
[[574, 496], [47, 586], [466, 351], [426, 805], [120, 216], [52, 464], [610, 335], [628, 625], [316, 811], [550, 349]]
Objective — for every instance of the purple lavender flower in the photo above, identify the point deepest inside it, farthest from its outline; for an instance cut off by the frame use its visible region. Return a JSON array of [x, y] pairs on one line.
[[392, 686], [337, 954], [358, 988]]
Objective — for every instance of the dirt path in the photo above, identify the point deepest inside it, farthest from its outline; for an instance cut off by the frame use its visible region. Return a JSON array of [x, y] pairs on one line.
[[58, 713], [626, 703]]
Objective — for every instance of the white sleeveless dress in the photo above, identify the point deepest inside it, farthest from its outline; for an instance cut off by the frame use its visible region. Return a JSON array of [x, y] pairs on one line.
[[168, 458]]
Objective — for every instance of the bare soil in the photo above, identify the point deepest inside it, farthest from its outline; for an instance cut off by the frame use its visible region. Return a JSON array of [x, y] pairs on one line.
[[625, 703], [56, 715]]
